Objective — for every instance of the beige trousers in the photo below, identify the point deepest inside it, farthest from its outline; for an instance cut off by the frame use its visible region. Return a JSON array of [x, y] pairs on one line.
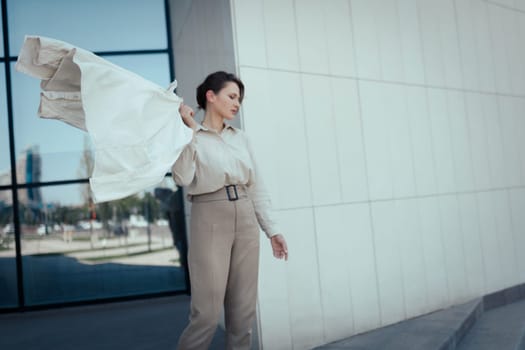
[[223, 261]]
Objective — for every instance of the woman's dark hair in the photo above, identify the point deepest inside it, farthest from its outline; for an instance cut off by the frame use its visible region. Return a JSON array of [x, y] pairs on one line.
[[215, 82]]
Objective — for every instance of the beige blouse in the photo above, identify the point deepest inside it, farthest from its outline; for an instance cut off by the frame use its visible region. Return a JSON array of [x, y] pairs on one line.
[[213, 160]]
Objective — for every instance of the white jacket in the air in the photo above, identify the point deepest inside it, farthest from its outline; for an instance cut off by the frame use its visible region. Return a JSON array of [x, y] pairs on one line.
[[134, 124]]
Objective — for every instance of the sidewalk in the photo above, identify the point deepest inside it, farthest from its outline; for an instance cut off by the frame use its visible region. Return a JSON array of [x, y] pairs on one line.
[[496, 321], [428, 332], [153, 324], [493, 322]]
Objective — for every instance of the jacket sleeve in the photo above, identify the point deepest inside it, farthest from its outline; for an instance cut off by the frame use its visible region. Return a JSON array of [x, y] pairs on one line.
[[261, 200], [183, 170]]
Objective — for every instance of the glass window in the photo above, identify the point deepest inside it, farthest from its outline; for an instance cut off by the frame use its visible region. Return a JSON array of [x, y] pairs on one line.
[[1, 33], [76, 251], [46, 150], [96, 25], [50, 150], [5, 172], [8, 283], [154, 67]]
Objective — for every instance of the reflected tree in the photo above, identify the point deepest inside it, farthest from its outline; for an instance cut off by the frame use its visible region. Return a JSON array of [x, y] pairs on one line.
[[68, 214], [114, 215], [85, 169], [6, 214]]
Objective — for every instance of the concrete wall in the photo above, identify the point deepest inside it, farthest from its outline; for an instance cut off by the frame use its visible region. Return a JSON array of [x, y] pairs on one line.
[[202, 41], [391, 136]]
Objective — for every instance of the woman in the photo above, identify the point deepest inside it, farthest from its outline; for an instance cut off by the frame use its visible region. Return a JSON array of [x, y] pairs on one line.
[[229, 203]]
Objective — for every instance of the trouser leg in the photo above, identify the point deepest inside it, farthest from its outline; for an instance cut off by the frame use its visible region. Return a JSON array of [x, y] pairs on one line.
[[241, 292], [212, 228]]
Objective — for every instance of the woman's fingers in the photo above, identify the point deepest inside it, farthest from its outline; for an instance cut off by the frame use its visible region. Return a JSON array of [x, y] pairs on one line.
[[187, 114], [280, 249], [283, 251], [186, 111]]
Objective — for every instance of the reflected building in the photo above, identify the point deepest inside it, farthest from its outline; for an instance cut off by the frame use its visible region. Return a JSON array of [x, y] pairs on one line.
[[28, 170], [5, 178]]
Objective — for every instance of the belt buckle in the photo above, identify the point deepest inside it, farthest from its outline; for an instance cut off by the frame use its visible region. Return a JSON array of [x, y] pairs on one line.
[[230, 196]]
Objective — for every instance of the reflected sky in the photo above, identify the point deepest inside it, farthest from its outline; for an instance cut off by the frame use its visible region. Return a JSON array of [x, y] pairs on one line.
[[95, 25], [71, 195], [61, 146], [1, 32], [4, 140]]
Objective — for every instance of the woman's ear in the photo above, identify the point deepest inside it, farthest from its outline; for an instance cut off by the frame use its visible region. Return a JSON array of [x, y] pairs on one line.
[[210, 96]]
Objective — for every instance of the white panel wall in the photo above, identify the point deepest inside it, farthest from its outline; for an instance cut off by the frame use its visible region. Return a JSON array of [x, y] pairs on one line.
[[408, 232], [460, 141], [472, 248], [306, 323], [410, 36], [391, 134], [421, 137], [477, 129], [441, 140], [388, 261], [434, 252], [453, 247], [350, 146], [517, 204]]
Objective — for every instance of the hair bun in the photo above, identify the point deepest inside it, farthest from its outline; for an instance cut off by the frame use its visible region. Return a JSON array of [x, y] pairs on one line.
[[215, 82]]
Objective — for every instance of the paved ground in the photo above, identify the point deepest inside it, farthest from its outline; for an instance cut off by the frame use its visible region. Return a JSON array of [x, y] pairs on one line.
[[153, 324], [488, 323], [501, 328], [429, 332]]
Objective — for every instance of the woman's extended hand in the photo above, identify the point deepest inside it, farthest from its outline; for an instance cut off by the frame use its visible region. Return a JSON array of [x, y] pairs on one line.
[[187, 116], [279, 247]]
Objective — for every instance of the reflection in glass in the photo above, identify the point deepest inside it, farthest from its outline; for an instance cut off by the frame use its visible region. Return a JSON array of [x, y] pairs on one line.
[[119, 24], [76, 250], [8, 283], [154, 67], [1, 32], [5, 173], [59, 147]]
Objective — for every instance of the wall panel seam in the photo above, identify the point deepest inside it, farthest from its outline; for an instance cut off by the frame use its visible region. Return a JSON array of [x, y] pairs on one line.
[[393, 82]]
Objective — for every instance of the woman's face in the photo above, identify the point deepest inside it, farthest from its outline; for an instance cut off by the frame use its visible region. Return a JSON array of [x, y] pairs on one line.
[[227, 101]]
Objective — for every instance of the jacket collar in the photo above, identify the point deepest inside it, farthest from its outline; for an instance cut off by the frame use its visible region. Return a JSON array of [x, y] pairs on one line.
[[226, 127]]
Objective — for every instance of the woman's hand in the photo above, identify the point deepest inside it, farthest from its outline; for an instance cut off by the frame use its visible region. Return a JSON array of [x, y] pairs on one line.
[[279, 247], [187, 114]]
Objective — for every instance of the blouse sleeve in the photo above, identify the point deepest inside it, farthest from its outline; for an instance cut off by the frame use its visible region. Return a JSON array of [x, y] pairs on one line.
[[183, 171], [261, 200]]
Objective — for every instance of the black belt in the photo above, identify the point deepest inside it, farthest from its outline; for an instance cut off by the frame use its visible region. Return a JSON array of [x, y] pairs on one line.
[[231, 192]]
